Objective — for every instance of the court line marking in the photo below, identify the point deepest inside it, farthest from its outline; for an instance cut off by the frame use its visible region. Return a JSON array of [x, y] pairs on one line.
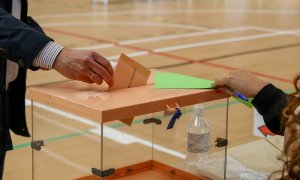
[[179, 57], [58, 124], [170, 48], [178, 36], [293, 32], [124, 23], [109, 132], [216, 42], [115, 125], [167, 37], [261, 50], [66, 161], [92, 123], [194, 45], [125, 138], [135, 12]]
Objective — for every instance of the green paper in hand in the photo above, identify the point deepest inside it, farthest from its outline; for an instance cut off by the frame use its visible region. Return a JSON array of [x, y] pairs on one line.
[[165, 80]]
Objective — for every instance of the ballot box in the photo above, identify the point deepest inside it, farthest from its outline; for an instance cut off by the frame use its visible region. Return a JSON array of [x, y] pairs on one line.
[[83, 131]]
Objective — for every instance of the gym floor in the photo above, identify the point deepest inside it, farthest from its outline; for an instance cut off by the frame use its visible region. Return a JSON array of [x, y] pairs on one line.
[[201, 38]]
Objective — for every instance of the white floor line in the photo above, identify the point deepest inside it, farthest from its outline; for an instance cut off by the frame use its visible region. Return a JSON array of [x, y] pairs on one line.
[[217, 42], [66, 161], [64, 126], [161, 38], [166, 37], [125, 138], [200, 44], [162, 11], [285, 32], [94, 47], [112, 59], [185, 35], [123, 23], [264, 29], [110, 133], [64, 114]]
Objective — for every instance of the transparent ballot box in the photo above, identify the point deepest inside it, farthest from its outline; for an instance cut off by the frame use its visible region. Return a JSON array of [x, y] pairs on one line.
[[82, 131]]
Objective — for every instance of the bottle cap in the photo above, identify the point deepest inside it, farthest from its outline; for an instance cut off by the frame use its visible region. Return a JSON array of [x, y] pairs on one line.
[[198, 108]]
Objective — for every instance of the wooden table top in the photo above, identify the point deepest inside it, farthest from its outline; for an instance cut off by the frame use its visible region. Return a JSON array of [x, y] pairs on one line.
[[95, 102]]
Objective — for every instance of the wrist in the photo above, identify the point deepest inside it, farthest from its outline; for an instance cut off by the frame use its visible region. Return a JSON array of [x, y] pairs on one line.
[[258, 87], [59, 58], [47, 56]]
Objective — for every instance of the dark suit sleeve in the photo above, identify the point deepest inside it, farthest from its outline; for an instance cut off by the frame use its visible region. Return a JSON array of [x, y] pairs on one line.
[[270, 102], [21, 41]]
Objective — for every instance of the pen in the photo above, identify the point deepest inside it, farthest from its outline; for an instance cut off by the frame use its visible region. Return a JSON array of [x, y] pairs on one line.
[[240, 95]]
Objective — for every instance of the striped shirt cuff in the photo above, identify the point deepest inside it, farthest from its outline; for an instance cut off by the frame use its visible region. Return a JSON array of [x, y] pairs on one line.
[[47, 55]]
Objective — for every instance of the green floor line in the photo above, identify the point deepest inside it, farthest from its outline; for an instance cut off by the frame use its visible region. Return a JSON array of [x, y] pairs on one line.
[[117, 125], [79, 133], [120, 125]]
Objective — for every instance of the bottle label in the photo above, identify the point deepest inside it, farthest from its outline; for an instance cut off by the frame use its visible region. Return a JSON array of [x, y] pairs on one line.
[[197, 143]]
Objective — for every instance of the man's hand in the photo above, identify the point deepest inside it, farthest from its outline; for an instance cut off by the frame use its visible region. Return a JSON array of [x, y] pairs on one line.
[[82, 65], [241, 81]]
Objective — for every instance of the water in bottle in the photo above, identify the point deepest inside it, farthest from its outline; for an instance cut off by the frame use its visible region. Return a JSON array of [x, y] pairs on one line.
[[198, 135]]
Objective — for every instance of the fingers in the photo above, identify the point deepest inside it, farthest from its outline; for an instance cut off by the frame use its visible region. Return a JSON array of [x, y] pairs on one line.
[[226, 90], [101, 74], [103, 69], [222, 85], [104, 63], [86, 80], [86, 66], [220, 82], [94, 78]]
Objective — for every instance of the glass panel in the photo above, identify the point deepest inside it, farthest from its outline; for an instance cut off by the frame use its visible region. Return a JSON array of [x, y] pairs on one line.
[[170, 146], [125, 145], [19, 159], [72, 144], [251, 156]]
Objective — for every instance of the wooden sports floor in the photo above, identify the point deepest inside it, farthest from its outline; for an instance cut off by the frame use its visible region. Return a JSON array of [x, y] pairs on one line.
[[201, 38]]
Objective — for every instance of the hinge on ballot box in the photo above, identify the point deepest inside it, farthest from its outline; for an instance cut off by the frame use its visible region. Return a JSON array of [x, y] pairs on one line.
[[221, 142], [36, 145], [152, 120], [105, 173]]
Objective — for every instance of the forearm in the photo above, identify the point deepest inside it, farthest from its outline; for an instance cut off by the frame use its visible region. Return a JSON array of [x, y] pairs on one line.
[[270, 102], [22, 42]]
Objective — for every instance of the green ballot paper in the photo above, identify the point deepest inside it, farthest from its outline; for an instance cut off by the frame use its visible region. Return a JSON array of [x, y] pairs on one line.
[[246, 103], [164, 80]]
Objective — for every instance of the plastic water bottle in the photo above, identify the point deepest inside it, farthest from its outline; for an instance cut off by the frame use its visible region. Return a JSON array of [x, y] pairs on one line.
[[198, 135]]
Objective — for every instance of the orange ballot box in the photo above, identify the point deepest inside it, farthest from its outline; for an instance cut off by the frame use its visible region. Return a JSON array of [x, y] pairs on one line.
[[82, 131]]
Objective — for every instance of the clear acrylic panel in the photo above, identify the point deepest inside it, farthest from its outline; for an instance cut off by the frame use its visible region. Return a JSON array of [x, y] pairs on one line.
[[70, 147], [79, 148], [126, 145], [170, 146]]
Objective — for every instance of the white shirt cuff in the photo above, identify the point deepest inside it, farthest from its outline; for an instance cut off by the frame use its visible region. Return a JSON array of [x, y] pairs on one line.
[[47, 55]]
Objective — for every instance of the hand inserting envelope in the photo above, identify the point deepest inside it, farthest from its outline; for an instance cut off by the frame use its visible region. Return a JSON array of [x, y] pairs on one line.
[[129, 73]]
